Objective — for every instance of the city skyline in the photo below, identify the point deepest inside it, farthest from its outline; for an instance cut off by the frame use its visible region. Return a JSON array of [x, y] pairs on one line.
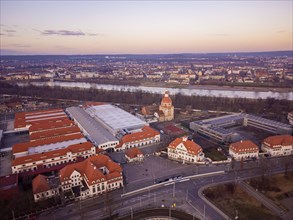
[[147, 27]]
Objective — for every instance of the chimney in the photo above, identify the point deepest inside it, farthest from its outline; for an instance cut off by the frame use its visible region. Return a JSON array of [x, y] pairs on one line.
[[184, 138]]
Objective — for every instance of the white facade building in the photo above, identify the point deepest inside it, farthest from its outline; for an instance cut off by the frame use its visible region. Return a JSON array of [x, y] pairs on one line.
[[185, 150], [243, 150], [278, 145]]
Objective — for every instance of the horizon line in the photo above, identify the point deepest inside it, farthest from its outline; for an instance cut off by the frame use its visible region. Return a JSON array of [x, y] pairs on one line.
[[138, 54]]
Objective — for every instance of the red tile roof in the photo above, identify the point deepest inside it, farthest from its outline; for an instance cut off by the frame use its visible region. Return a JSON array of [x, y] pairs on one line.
[[42, 118], [146, 132], [40, 184], [48, 121], [274, 141], [133, 152], [50, 126], [244, 146], [39, 157], [21, 121], [192, 148], [112, 175], [54, 133], [23, 147], [42, 112], [90, 168], [76, 148], [9, 180]]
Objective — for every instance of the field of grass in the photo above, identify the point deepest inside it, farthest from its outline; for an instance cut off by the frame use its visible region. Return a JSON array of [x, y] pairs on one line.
[[214, 154], [233, 200], [277, 187]]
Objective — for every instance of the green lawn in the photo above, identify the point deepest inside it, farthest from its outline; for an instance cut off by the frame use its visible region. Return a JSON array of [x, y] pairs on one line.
[[214, 154]]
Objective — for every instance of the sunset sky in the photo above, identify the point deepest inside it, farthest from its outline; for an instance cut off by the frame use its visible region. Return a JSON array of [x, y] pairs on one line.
[[140, 27]]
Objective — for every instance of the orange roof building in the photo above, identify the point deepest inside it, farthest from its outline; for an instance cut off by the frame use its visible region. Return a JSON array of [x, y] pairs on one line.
[[94, 176], [24, 120], [243, 150], [146, 136], [278, 145], [50, 126], [44, 188], [134, 154], [52, 158], [38, 146], [54, 133], [185, 150]]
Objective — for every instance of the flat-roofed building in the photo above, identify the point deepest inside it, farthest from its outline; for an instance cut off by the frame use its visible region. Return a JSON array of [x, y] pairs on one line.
[[52, 158], [91, 128], [115, 119], [243, 150], [216, 128], [134, 154], [185, 150], [278, 145]]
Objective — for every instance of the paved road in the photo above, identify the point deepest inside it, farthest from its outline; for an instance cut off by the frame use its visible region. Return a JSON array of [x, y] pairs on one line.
[[188, 193]]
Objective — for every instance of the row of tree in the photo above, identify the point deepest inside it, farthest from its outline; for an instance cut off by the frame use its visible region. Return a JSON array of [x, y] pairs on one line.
[[270, 107]]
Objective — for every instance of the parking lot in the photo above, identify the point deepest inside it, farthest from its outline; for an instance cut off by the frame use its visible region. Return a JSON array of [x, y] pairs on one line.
[[151, 168]]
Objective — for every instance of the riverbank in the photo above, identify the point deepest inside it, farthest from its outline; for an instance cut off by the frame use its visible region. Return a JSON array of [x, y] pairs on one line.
[[144, 83], [216, 87]]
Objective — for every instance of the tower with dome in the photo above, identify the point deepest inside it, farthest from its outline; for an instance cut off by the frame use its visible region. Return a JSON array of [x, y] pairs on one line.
[[166, 109]]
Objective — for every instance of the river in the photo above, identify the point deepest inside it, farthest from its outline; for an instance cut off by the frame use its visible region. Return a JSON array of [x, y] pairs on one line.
[[184, 91]]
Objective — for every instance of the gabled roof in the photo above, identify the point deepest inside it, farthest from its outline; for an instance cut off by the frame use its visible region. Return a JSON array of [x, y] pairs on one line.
[[54, 133], [244, 146], [40, 184], [23, 147], [133, 152], [75, 148], [283, 140], [49, 126], [146, 132], [91, 169], [191, 146]]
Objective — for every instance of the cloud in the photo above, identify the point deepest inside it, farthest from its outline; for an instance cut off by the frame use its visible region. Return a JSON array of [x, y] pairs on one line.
[[66, 33], [62, 33], [20, 45], [94, 34]]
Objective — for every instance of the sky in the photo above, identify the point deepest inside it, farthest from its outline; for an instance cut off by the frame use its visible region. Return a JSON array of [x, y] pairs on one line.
[[144, 27]]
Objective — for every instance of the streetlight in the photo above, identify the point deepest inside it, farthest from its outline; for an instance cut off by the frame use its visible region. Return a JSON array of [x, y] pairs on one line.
[[174, 189]]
